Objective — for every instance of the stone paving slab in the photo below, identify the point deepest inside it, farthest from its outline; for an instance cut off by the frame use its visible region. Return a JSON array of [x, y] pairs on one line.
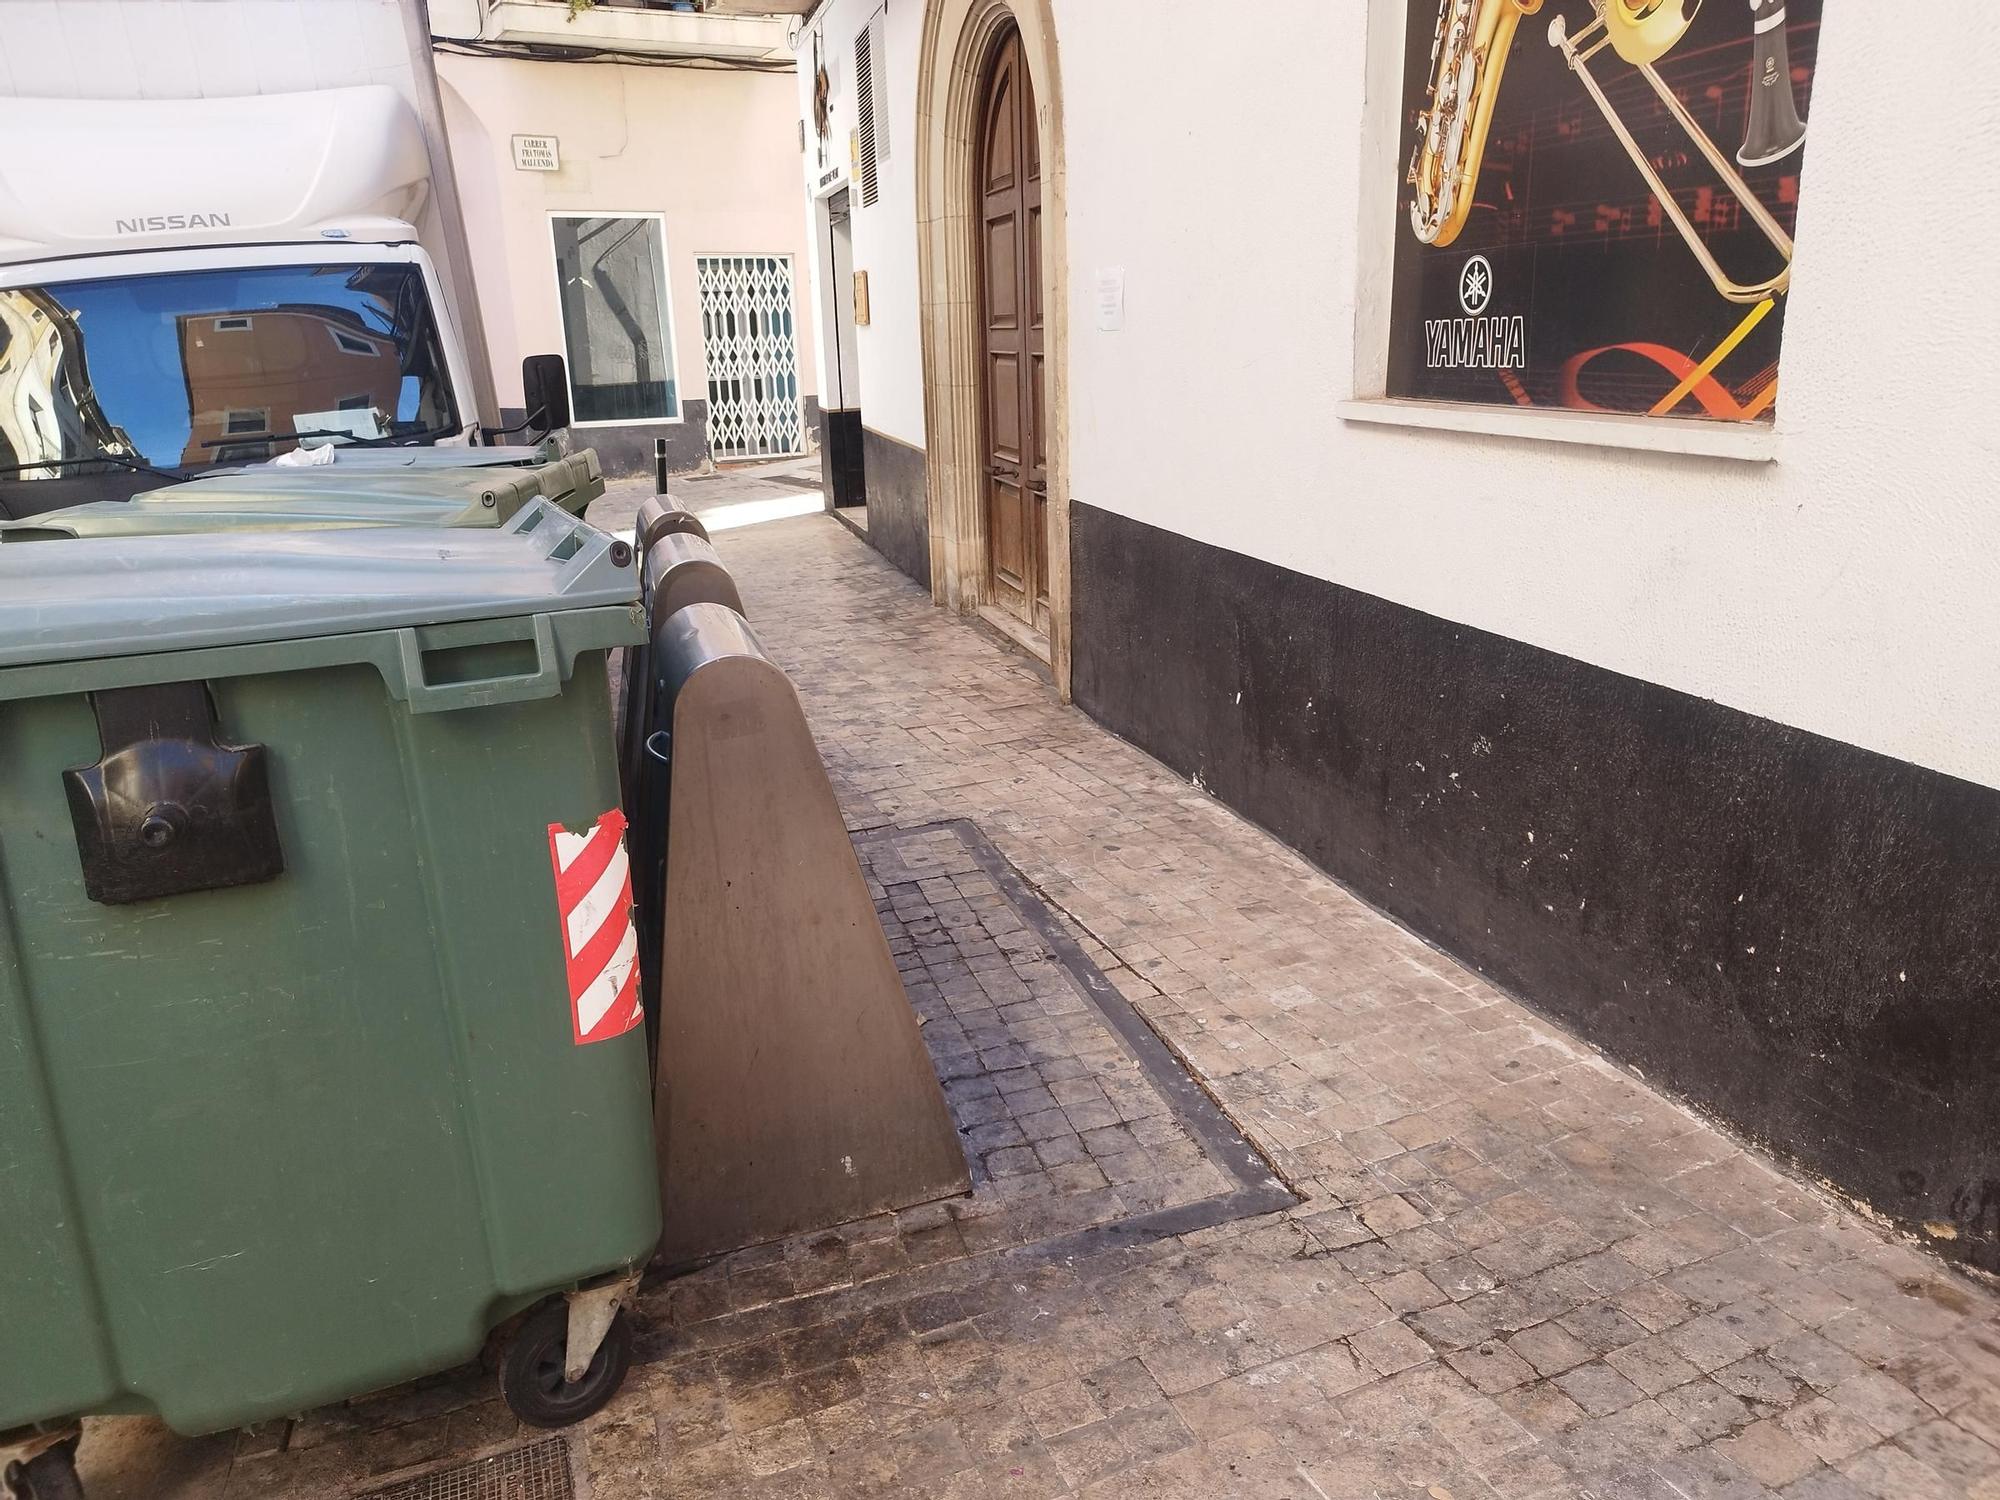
[[1514, 1271]]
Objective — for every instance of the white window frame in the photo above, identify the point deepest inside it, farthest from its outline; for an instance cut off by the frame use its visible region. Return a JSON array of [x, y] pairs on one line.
[[679, 415], [1384, 150]]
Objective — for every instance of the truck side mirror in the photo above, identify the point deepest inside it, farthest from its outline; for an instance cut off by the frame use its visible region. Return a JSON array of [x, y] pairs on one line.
[[545, 391]]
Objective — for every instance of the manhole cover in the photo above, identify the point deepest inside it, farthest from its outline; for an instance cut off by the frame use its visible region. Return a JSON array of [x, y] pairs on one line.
[[539, 1471]]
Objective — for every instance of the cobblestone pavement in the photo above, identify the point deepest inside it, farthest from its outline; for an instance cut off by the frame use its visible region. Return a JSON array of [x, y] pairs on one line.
[[1510, 1270]]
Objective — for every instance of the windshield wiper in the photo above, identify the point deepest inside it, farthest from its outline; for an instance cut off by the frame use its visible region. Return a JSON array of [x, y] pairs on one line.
[[282, 437], [382, 440], [100, 457], [405, 439]]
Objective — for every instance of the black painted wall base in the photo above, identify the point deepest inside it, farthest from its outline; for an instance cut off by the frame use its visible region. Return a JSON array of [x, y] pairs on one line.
[[1798, 934], [898, 503], [842, 467]]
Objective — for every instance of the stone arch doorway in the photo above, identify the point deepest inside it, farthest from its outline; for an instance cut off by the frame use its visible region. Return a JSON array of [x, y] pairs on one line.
[[975, 492]]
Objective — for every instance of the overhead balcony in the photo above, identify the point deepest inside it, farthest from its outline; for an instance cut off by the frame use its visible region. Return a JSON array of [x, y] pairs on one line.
[[743, 30]]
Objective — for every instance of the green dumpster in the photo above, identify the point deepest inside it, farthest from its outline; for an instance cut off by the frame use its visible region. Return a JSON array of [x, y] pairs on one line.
[[320, 1054]]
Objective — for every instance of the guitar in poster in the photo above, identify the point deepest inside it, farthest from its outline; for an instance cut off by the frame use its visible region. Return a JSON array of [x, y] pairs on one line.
[[1598, 205]]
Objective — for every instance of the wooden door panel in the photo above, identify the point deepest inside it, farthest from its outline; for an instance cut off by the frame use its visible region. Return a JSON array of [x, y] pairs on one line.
[[1038, 524], [1003, 274], [1006, 542], [1031, 133], [998, 159], [1010, 292], [1031, 273], [1003, 410], [1037, 435]]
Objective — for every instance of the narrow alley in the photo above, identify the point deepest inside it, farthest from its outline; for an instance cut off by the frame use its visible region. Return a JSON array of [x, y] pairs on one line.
[[996, 750], [1451, 1254]]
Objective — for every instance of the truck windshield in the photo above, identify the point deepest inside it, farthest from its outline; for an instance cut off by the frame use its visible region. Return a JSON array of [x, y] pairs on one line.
[[190, 369]]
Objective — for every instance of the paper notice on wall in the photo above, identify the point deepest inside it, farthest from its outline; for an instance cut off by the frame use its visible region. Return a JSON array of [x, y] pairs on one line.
[[356, 421], [1110, 299]]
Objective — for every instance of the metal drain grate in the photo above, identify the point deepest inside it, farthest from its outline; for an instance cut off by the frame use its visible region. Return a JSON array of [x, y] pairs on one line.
[[539, 1471]]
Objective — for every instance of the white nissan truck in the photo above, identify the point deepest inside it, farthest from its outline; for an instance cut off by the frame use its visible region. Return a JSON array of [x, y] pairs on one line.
[[229, 233]]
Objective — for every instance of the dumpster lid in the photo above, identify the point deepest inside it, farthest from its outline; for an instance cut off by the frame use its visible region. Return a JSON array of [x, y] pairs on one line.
[[362, 494], [136, 595]]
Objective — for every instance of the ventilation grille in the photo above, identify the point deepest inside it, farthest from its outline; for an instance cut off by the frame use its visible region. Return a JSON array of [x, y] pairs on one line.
[[871, 107], [864, 106], [539, 1471]]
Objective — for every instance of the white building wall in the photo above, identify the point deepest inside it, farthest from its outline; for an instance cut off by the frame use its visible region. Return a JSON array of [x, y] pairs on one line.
[[1787, 931], [1852, 588], [711, 151], [825, 350], [890, 347]]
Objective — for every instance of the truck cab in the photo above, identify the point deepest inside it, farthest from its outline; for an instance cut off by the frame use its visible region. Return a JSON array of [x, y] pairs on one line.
[[188, 285]]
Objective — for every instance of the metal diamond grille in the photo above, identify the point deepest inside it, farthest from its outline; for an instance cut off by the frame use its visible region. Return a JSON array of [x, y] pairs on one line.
[[539, 1471], [748, 332]]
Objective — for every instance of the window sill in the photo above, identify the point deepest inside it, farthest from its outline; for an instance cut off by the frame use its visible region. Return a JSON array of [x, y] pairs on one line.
[[1742, 441]]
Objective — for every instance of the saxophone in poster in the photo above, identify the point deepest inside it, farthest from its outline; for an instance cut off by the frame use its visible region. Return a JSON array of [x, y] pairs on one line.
[[1469, 55]]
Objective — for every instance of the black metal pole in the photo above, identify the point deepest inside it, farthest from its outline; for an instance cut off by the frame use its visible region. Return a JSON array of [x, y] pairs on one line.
[[659, 466]]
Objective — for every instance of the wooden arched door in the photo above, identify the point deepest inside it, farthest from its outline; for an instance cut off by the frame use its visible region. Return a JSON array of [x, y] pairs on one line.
[[1014, 446]]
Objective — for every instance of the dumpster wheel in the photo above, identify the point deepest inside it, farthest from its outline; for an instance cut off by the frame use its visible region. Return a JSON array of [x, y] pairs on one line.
[[532, 1379], [50, 1475]]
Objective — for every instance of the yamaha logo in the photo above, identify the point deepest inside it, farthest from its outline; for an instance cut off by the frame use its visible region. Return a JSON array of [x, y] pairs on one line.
[[1475, 285], [1476, 341]]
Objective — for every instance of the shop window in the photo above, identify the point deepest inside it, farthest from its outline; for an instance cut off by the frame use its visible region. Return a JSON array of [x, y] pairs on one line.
[[611, 279]]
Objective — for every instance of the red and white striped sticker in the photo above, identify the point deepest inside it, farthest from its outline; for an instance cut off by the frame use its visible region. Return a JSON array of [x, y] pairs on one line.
[[600, 944]]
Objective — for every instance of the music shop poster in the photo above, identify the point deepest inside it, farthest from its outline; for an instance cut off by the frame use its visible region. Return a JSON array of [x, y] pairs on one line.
[[1546, 270]]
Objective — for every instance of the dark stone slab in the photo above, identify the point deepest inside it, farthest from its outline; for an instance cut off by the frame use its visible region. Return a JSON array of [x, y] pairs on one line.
[[898, 503]]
